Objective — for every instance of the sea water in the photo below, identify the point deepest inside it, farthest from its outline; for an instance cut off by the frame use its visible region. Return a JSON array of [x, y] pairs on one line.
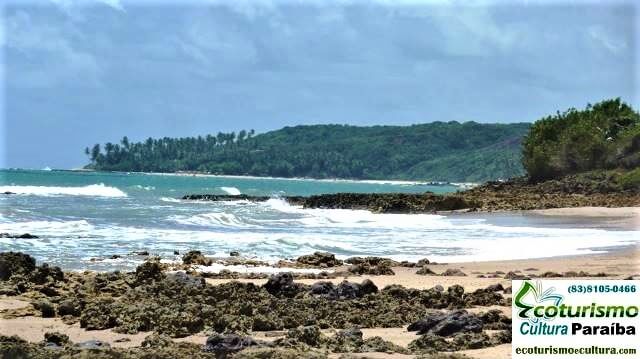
[[82, 219]]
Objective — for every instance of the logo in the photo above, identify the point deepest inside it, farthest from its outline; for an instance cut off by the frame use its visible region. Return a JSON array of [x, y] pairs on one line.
[[530, 297]]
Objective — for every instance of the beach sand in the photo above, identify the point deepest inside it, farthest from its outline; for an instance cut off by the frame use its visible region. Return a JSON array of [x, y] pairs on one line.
[[621, 263]]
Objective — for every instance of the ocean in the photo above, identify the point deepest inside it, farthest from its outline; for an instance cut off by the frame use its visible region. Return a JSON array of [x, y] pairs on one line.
[[82, 219]]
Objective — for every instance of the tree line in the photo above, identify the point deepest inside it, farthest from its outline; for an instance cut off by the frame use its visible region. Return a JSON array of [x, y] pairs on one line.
[[439, 151]]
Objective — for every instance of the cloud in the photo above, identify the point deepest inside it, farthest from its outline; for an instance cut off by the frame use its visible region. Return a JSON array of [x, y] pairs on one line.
[[600, 36], [48, 56]]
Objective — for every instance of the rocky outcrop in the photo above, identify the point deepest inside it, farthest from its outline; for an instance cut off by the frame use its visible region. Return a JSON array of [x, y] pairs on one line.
[[197, 258], [319, 259]]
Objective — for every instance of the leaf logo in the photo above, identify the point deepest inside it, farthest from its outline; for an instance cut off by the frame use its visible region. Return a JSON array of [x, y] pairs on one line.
[[530, 296]]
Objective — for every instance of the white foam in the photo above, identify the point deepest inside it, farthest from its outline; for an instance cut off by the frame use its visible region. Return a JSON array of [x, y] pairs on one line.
[[170, 200], [96, 190], [146, 188], [231, 190], [213, 218]]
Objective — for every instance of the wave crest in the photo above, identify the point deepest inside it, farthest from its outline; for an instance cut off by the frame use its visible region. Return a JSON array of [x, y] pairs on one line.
[[95, 190]]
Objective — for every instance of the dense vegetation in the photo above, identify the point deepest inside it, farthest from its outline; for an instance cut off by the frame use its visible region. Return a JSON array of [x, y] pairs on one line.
[[436, 151], [601, 137]]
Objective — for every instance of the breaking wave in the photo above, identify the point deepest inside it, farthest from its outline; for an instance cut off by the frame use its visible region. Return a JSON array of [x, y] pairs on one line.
[[95, 190]]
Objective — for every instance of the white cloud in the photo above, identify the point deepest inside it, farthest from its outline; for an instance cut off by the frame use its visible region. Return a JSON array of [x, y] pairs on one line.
[[602, 38], [50, 58]]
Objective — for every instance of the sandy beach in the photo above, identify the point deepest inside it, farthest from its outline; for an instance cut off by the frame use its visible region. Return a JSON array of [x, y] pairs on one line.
[[18, 316]]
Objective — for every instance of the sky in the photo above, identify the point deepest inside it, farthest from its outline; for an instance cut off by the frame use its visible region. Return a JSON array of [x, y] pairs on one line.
[[79, 72]]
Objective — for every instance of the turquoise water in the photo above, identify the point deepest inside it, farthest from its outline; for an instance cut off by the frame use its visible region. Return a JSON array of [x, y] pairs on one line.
[[82, 218]]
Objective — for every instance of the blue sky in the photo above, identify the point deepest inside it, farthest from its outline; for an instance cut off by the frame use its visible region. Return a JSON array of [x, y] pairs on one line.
[[77, 72]]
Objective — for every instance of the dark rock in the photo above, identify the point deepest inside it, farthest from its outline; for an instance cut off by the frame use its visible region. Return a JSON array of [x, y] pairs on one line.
[[196, 257], [423, 262], [234, 254], [438, 288], [176, 253], [425, 271], [46, 308], [150, 270], [56, 338], [344, 290], [382, 268], [319, 259], [224, 345], [282, 284], [156, 341], [446, 324], [15, 263], [68, 307], [428, 343], [495, 288], [44, 274], [183, 279], [18, 236], [142, 253], [453, 272], [507, 290], [516, 276], [309, 335], [93, 345], [115, 256]]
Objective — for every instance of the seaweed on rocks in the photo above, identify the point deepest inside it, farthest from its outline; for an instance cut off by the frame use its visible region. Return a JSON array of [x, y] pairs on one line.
[[319, 259], [382, 268], [12, 263], [197, 258], [282, 284]]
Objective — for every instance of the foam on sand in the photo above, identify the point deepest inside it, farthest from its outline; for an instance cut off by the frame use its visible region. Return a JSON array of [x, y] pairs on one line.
[[94, 190]]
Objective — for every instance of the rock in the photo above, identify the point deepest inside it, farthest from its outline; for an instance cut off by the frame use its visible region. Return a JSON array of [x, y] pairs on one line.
[[423, 262], [507, 290], [382, 268], [15, 263], [309, 335], [470, 340], [428, 343], [319, 259], [344, 290], [282, 284], [516, 276], [453, 272], [150, 270], [438, 288], [142, 253], [550, 275], [46, 308], [176, 253], [18, 236], [56, 338], [446, 324], [115, 256], [495, 288], [68, 307], [425, 271], [495, 320], [196, 257], [484, 297], [156, 341], [234, 254], [278, 353], [224, 345], [93, 345], [44, 274]]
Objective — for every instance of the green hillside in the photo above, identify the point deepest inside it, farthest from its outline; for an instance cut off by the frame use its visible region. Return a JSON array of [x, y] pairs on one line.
[[435, 151]]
